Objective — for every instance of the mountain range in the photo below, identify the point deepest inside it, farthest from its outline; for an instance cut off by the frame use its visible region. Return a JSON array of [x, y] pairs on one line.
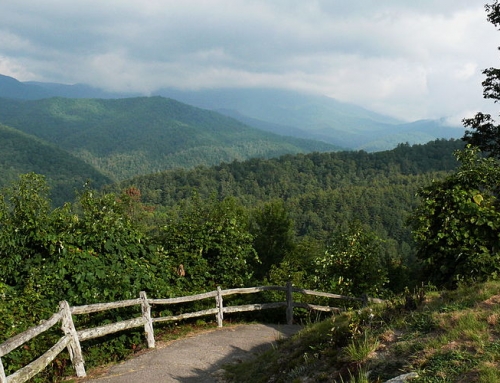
[[282, 112], [126, 137]]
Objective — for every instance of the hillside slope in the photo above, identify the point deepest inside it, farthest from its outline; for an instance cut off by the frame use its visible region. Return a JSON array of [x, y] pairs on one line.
[[290, 176], [132, 136], [317, 117], [439, 337], [21, 153]]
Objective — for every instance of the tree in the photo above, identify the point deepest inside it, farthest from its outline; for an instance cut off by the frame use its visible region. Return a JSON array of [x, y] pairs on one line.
[[90, 251], [485, 134], [26, 235], [210, 239], [457, 225], [353, 263], [273, 232]]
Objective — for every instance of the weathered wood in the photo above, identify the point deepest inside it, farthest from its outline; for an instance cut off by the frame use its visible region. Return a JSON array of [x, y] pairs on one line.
[[74, 348], [323, 294], [250, 290], [29, 371], [96, 307], [72, 338], [97, 332], [254, 307], [148, 323], [189, 298], [289, 303], [3, 378], [219, 304], [316, 307], [29, 334], [186, 315]]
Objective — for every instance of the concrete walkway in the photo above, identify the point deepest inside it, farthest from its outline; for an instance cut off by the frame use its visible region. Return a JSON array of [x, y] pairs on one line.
[[197, 359]]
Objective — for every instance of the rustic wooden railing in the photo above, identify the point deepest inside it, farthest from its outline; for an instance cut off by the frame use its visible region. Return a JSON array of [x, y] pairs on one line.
[[72, 338]]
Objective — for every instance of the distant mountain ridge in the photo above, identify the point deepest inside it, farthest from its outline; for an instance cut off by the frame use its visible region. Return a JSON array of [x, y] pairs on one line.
[[131, 136], [315, 117], [281, 112], [34, 90]]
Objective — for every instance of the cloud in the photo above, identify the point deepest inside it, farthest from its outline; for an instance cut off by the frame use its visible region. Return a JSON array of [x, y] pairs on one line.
[[408, 59]]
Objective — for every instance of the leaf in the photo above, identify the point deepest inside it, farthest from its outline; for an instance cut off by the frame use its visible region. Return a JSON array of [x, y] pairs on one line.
[[478, 198]]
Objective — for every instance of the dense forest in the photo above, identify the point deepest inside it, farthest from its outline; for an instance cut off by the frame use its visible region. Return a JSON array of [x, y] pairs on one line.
[[22, 153], [122, 138], [319, 193]]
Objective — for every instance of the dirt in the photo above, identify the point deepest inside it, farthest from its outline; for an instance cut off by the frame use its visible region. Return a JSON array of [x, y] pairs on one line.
[[197, 358]]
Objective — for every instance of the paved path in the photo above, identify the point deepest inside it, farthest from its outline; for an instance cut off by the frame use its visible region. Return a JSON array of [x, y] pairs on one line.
[[197, 359]]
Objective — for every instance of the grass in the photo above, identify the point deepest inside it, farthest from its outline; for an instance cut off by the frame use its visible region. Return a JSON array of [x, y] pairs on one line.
[[451, 336]]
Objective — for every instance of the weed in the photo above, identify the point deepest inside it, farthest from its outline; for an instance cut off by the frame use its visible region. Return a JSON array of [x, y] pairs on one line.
[[360, 349], [360, 377]]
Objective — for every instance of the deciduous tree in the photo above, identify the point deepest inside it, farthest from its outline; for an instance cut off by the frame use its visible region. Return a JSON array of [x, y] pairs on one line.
[[485, 133]]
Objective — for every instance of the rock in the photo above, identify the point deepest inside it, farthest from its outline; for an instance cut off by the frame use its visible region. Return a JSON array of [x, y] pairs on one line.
[[403, 378]]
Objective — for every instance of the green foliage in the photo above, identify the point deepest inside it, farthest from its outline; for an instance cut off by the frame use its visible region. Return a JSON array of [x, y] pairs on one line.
[[210, 239], [87, 252], [457, 225], [353, 263], [21, 153], [273, 232]]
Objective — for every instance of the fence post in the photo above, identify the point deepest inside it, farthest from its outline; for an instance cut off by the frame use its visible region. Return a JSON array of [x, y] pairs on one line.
[[3, 378], [74, 348], [364, 299], [148, 323], [289, 303], [220, 305]]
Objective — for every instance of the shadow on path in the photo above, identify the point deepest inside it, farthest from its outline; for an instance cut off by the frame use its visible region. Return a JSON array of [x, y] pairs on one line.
[[197, 359]]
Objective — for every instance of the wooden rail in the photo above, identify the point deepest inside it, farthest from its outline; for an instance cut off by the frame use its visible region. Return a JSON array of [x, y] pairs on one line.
[[72, 338]]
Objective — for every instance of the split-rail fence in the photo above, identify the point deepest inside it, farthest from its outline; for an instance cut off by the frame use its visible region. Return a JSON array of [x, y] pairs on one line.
[[72, 338]]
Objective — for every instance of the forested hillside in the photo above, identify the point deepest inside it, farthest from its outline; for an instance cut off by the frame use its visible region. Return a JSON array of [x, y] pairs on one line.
[[290, 176], [22, 153], [321, 193], [127, 137]]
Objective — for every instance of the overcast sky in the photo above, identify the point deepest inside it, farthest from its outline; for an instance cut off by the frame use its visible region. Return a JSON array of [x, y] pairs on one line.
[[411, 59]]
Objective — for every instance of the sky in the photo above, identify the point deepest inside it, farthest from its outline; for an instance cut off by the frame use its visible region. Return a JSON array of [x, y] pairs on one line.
[[404, 58]]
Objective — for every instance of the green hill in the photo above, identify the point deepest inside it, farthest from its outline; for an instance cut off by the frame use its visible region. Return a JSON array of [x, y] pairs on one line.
[[291, 176], [315, 117], [22, 153], [127, 137]]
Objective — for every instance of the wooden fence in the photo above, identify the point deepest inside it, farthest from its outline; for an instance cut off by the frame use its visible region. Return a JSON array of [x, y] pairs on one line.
[[72, 338]]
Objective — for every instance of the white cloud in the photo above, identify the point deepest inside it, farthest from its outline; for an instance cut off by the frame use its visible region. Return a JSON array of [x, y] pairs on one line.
[[408, 59]]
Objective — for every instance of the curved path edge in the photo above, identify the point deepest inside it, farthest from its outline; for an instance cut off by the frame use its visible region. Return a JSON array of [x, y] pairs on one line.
[[198, 358]]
